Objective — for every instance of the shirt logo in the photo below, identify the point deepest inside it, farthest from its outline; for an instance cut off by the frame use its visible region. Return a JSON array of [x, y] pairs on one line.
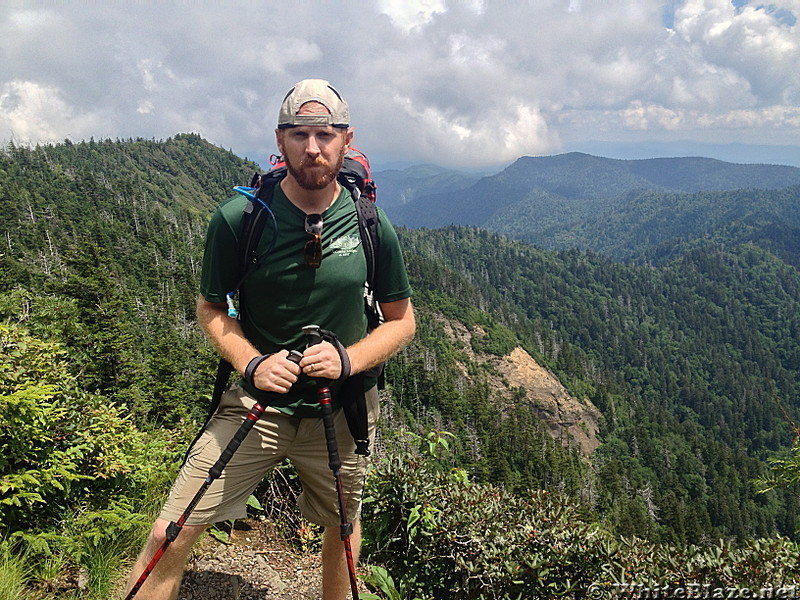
[[345, 245]]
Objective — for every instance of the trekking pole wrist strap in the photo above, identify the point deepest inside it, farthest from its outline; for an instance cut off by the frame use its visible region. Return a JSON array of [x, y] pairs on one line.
[[345, 361], [331, 338], [250, 370]]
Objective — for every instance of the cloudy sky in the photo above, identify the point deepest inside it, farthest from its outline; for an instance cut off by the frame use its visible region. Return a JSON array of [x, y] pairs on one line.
[[458, 83]]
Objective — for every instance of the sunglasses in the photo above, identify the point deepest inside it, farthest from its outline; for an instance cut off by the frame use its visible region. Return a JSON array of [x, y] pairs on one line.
[[312, 252]]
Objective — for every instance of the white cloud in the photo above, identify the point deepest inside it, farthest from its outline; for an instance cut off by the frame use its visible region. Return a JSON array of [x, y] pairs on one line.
[[441, 80], [648, 116], [410, 15], [752, 42], [502, 134], [145, 107], [30, 112]]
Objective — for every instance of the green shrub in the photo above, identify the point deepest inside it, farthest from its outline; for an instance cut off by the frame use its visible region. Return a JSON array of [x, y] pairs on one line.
[[76, 476], [438, 535], [453, 538], [723, 565], [60, 449], [496, 339]]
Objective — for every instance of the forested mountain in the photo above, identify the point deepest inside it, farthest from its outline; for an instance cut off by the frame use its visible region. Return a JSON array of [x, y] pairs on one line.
[[686, 362], [398, 187], [627, 209], [692, 360], [108, 236]]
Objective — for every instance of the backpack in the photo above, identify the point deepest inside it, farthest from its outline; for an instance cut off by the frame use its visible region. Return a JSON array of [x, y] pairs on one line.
[[355, 175]]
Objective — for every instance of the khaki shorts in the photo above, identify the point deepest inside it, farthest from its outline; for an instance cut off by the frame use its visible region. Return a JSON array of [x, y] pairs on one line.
[[274, 437]]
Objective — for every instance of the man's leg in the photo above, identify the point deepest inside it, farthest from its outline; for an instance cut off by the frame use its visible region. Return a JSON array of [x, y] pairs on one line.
[[319, 500], [335, 576], [165, 580], [226, 498]]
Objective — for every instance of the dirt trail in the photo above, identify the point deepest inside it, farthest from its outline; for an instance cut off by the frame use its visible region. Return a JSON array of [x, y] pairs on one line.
[[256, 564]]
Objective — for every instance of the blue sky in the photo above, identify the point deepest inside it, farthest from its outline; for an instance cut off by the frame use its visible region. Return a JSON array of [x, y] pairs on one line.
[[469, 83]]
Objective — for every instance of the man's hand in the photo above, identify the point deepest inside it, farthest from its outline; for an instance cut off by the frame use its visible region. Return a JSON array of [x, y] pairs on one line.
[[276, 374], [322, 360]]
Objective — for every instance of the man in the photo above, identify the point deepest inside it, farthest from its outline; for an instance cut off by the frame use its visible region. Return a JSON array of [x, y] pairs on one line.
[[287, 292]]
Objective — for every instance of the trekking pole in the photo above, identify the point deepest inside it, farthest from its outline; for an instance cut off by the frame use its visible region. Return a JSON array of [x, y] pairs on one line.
[[174, 528], [335, 464]]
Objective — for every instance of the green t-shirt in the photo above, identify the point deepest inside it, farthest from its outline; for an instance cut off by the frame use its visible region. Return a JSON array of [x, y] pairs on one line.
[[284, 294]]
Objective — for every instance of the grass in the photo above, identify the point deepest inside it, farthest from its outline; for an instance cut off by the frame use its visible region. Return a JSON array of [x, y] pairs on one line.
[[15, 573]]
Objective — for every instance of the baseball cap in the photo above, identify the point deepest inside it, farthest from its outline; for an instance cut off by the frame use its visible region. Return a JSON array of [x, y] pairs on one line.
[[313, 90]]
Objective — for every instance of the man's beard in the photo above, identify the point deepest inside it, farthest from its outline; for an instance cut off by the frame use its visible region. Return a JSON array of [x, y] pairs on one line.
[[317, 178]]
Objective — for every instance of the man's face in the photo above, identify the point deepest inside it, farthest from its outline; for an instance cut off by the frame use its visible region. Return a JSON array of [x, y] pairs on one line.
[[313, 154]]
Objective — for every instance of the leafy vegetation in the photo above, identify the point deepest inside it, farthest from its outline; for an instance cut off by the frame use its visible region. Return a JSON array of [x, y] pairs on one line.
[[76, 475], [443, 536]]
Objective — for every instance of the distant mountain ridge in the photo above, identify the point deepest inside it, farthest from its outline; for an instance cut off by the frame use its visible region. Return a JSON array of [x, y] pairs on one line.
[[557, 201], [397, 187]]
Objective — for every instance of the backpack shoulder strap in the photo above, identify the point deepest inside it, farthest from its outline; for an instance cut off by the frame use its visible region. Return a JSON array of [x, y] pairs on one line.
[[254, 217], [352, 395], [368, 230]]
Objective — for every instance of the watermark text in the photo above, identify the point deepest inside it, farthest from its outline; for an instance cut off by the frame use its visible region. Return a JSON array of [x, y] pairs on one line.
[[640, 591]]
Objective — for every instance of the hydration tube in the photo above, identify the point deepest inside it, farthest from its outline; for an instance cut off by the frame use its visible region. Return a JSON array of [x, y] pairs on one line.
[[247, 192]]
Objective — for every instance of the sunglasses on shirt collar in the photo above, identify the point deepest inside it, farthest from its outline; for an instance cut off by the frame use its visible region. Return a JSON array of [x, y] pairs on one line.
[[312, 251]]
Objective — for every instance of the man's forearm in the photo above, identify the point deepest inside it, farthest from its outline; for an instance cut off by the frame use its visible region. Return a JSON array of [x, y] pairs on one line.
[[225, 333], [386, 340]]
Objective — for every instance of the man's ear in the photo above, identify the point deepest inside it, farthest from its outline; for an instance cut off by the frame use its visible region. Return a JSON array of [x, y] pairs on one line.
[[279, 140], [348, 138]]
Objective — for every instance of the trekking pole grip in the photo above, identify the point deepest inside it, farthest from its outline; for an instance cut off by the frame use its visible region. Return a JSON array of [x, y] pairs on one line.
[[236, 441], [313, 335], [252, 417], [334, 462]]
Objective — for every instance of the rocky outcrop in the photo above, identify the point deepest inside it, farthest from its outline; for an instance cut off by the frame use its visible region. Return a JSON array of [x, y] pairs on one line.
[[571, 420], [566, 416]]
